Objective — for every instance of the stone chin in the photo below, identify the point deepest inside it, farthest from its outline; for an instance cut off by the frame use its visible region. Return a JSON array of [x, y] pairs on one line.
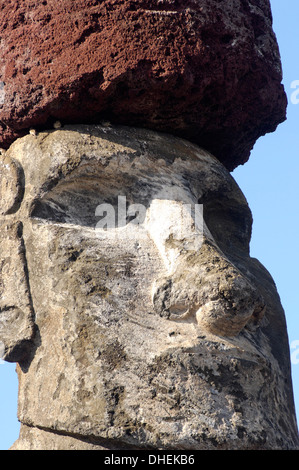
[[144, 336]]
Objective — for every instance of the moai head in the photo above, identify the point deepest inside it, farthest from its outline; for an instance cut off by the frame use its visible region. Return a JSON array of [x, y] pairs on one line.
[[130, 300]]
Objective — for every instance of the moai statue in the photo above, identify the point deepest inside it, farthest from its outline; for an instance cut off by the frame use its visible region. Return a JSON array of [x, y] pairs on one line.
[[130, 301], [128, 297]]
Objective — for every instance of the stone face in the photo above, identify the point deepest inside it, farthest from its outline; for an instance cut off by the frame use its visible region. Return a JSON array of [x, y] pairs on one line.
[[146, 335], [207, 70]]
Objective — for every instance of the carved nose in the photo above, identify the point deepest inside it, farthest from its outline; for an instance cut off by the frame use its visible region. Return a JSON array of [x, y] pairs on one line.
[[230, 304]]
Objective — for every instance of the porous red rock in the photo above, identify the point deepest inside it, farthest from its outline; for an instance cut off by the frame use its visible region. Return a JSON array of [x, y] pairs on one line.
[[208, 70]]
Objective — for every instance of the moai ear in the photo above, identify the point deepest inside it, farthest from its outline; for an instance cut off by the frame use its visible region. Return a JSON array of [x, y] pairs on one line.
[[16, 311], [12, 184]]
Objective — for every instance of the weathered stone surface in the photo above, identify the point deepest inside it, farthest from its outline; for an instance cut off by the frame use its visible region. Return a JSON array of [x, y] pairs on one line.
[[32, 438], [207, 70], [11, 186], [16, 312], [147, 335]]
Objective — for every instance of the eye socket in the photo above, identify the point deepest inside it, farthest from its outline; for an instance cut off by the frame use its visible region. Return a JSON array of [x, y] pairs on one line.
[[88, 204], [230, 223]]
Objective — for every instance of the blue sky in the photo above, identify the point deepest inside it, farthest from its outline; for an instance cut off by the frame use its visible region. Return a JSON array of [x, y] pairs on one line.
[[270, 183]]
